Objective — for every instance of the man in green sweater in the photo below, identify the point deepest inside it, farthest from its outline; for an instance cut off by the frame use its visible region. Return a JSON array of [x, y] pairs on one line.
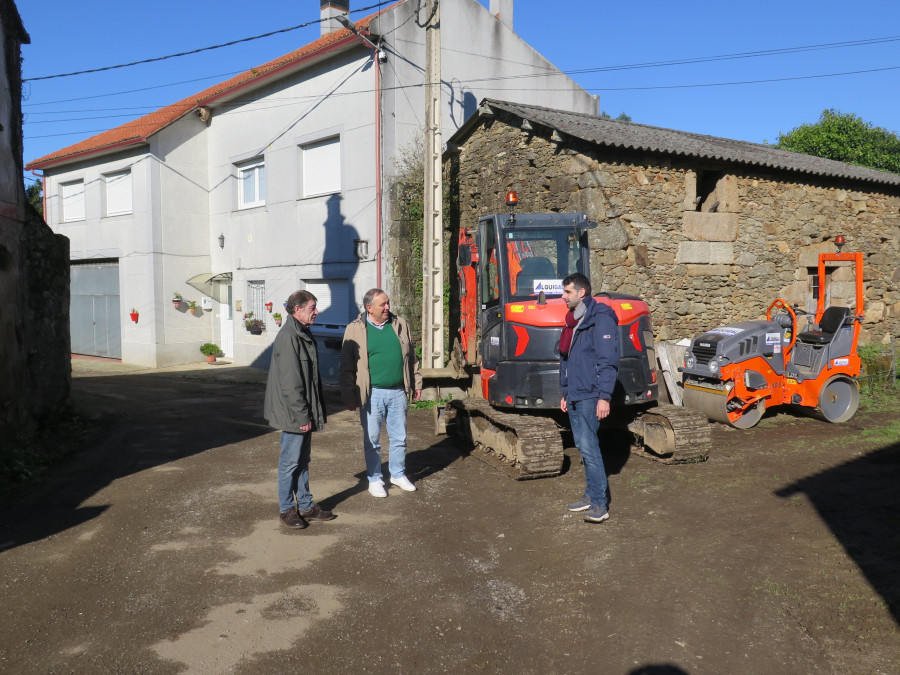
[[379, 374]]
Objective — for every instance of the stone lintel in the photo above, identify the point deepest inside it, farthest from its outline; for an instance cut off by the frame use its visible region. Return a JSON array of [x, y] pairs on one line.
[[698, 226], [705, 252]]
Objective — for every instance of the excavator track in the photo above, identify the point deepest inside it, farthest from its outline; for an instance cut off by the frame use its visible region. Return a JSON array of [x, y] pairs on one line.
[[523, 446], [672, 435]]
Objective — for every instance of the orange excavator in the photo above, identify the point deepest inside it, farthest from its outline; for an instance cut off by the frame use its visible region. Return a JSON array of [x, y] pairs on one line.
[[511, 268]]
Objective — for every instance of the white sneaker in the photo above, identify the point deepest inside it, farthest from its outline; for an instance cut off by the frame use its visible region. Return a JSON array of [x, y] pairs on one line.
[[403, 483], [376, 488]]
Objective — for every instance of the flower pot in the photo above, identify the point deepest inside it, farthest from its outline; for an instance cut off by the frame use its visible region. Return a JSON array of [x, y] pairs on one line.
[[134, 316], [176, 303], [193, 310], [269, 306], [255, 330], [277, 322], [211, 358]]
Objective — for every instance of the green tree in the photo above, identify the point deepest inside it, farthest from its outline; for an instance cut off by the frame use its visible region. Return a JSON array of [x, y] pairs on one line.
[[623, 117], [845, 137], [35, 197]]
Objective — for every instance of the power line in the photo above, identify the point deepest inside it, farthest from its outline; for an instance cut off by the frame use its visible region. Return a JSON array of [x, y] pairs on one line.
[[301, 99], [422, 84], [727, 84], [739, 55], [133, 91], [651, 64], [192, 51]]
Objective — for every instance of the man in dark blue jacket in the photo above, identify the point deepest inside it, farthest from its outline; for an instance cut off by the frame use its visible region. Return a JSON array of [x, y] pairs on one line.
[[588, 365]]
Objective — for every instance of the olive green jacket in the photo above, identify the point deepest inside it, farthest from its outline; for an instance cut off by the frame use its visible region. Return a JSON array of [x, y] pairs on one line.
[[355, 383], [294, 389]]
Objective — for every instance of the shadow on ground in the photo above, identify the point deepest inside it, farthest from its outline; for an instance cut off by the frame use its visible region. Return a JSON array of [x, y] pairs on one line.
[[141, 421], [860, 503]]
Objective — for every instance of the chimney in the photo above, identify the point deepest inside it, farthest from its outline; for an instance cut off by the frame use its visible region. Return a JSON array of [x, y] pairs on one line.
[[331, 9], [503, 10]]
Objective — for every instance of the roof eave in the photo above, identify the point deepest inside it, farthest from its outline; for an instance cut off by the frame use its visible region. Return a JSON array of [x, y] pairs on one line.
[[93, 152]]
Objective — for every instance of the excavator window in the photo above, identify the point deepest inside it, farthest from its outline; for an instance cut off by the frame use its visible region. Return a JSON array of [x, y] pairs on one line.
[[490, 284], [539, 259]]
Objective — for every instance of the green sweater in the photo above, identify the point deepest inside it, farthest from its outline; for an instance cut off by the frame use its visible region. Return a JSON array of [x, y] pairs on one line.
[[385, 357]]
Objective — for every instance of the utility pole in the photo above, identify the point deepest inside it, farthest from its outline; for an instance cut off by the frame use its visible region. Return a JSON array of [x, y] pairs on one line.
[[433, 239]]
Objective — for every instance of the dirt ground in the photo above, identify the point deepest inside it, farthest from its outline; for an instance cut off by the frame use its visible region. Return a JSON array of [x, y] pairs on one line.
[[157, 550]]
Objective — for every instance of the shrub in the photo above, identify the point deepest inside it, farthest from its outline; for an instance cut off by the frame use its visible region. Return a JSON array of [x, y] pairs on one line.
[[209, 349]]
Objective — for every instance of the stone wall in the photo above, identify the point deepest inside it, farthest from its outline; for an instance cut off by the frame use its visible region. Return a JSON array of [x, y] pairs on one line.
[[35, 366], [34, 322], [703, 244]]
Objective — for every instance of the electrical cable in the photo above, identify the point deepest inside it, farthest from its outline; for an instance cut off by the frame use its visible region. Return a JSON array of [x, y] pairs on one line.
[[192, 51], [422, 84]]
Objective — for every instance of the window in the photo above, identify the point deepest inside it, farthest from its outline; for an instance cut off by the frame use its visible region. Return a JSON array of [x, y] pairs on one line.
[[332, 301], [490, 287], [251, 184], [320, 167], [708, 197], [256, 299], [72, 201], [118, 193]]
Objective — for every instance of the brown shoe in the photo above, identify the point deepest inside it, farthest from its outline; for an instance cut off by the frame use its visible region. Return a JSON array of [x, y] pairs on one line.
[[292, 519], [317, 513]]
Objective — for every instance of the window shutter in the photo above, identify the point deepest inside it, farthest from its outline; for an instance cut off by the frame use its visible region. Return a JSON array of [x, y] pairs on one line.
[[322, 167], [118, 193], [332, 300], [73, 201]]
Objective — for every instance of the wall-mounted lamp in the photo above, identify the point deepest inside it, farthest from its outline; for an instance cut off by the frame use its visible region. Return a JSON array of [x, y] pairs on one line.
[[221, 241], [361, 248]]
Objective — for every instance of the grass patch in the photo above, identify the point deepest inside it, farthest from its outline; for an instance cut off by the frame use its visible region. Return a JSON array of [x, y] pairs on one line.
[[887, 435], [25, 457], [877, 398], [429, 405]]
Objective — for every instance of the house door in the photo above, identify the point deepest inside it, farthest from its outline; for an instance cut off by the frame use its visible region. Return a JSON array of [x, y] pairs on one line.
[[94, 310], [226, 322]]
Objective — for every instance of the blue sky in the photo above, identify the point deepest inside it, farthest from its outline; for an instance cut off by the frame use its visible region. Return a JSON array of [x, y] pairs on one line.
[[595, 38]]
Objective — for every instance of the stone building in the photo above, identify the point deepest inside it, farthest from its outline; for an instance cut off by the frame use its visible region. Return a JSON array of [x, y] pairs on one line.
[[708, 230], [34, 267]]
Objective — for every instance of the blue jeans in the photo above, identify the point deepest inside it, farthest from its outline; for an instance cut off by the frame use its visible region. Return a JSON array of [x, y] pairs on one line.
[[583, 417], [293, 471], [384, 405]]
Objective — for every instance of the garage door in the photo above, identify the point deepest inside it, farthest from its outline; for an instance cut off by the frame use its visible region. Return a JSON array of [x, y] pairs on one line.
[[96, 326]]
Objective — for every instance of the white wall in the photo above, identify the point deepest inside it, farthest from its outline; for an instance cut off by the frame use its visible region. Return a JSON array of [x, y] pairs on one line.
[[163, 242], [189, 169], [181, 233], [292, 238]]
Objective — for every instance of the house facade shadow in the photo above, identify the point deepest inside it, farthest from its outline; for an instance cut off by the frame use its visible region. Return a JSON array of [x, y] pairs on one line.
[[859, 502]]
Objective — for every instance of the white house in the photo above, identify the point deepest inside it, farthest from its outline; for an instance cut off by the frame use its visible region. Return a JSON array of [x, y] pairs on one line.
[[268, 182]]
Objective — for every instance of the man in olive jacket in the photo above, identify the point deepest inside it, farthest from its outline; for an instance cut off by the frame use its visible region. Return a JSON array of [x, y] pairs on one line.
[[295, 404], [379, 374]]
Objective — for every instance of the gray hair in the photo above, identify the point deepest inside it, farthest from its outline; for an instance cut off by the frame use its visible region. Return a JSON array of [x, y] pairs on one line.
[[370, 296]]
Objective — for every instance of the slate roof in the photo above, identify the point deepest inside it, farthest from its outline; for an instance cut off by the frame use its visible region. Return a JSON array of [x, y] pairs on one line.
[[641, 137], [138, 131]]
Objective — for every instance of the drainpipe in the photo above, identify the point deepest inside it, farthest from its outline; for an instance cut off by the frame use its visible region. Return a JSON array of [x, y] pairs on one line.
[[378, 203]]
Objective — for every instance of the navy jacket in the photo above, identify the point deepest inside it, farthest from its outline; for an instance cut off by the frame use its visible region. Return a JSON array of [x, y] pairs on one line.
[[591, 368]]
